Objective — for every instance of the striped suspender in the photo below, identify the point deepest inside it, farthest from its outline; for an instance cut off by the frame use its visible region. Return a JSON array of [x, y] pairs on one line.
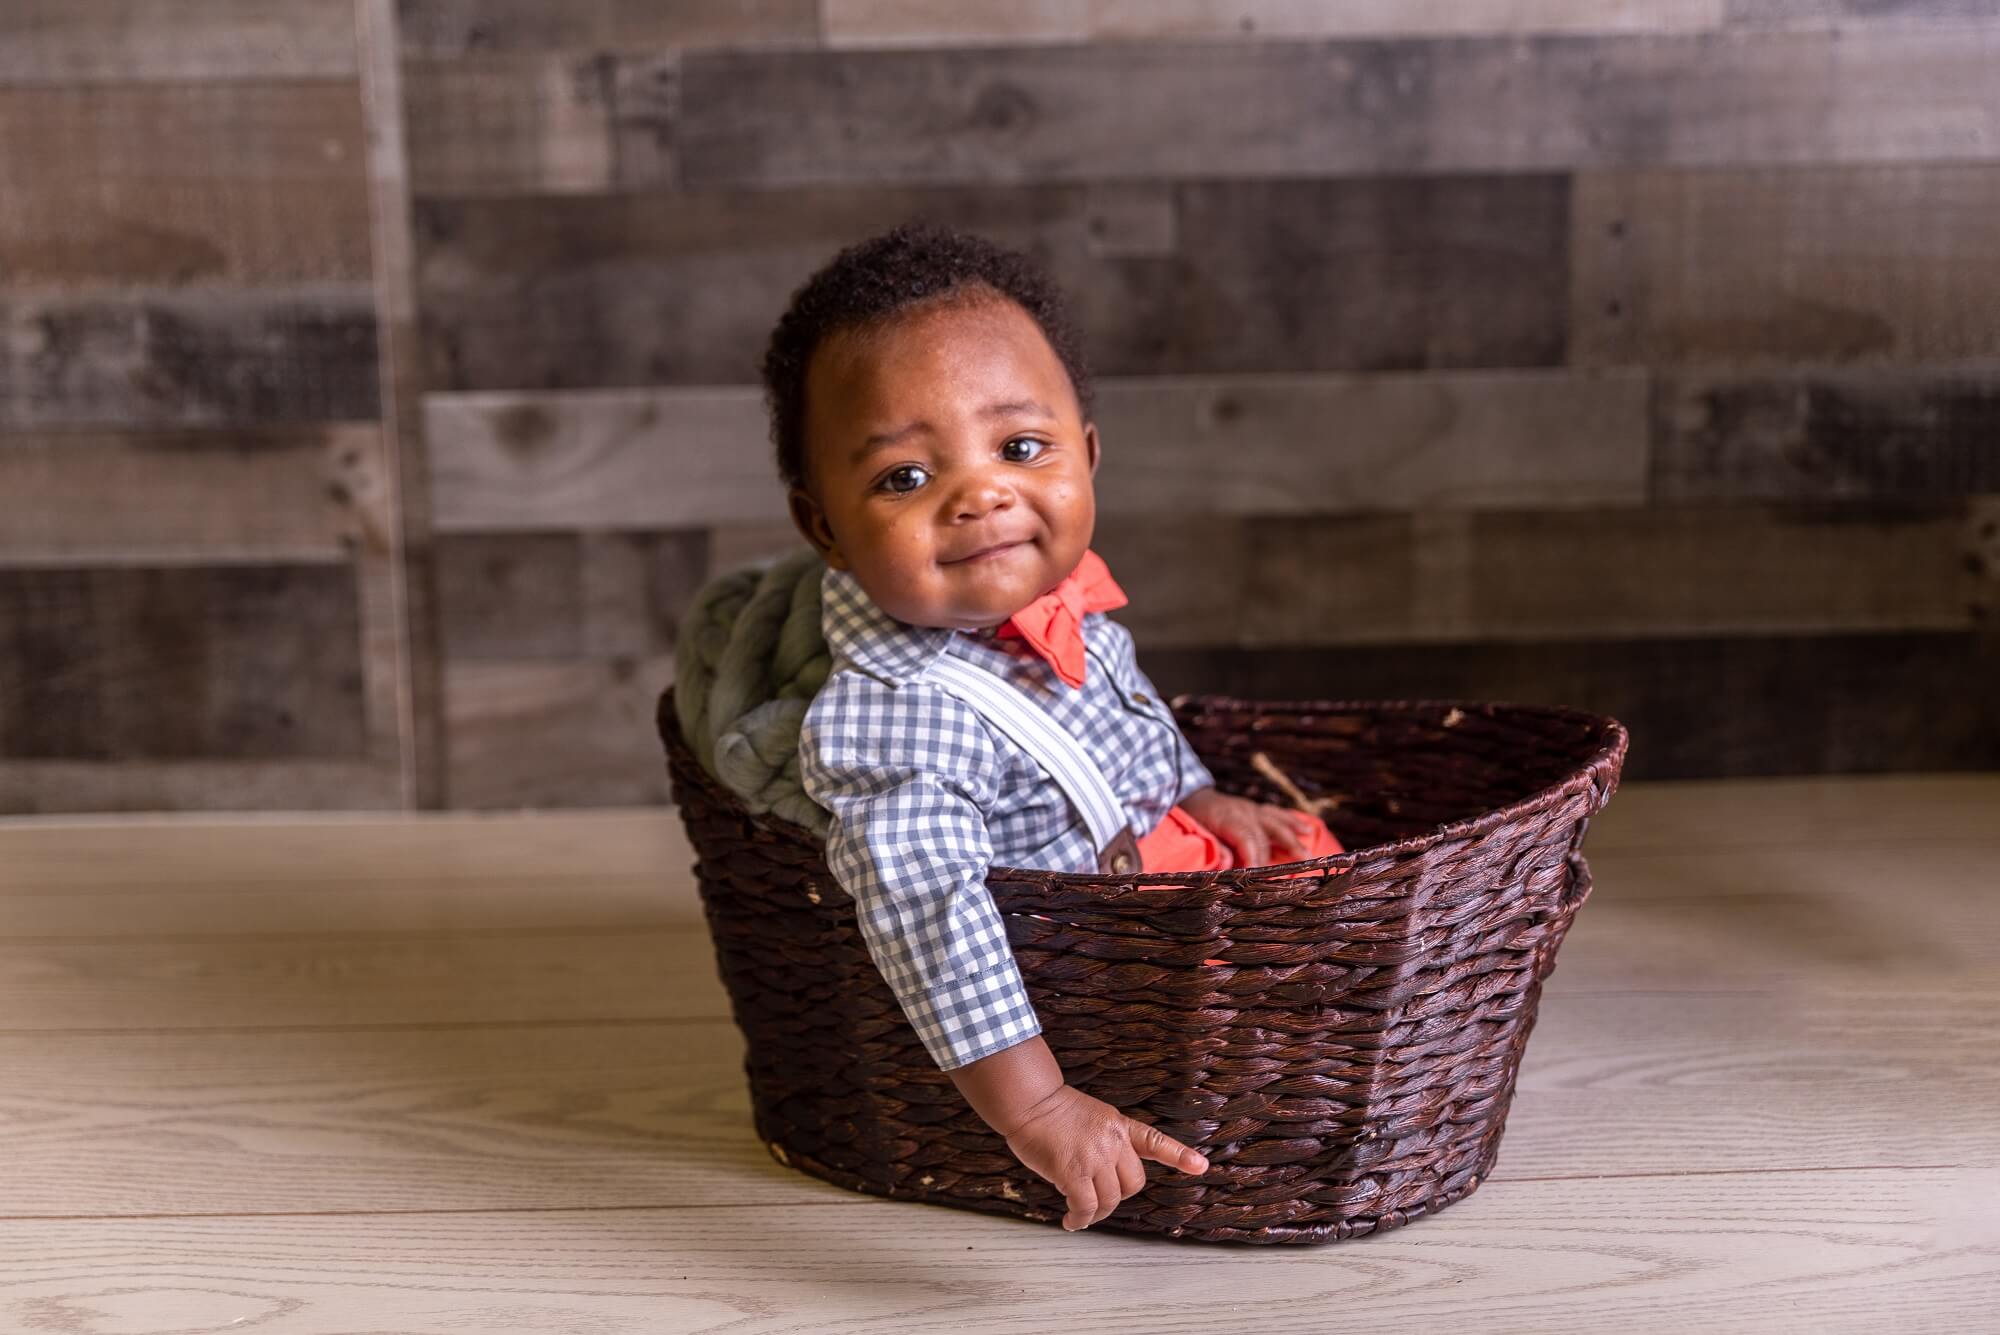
[[1008, 708]]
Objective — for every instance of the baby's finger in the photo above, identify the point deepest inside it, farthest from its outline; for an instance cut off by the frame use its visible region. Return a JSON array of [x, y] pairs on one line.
[[1131, 1174], [1277, 832], [1284, 833], [1081, 1197], [1108, 1194], [1155, 1144], [1252, 850]]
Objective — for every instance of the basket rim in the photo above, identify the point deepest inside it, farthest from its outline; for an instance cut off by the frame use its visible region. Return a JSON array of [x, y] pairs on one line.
[[1607, 758]]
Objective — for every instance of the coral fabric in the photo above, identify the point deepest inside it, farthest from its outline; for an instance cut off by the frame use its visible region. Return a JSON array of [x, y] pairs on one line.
[[1053, 623], [1182, 843]]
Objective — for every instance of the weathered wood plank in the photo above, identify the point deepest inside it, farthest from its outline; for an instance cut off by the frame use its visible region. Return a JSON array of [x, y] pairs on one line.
[[1783, 1251], [452, 28], [914, 23], [398, 574], [135, 788], [279, 494], [476, 1118], [731, 546], [1811, 814], [96, 41], [1389, 273], [1199, 580], [509, 123], [683, 288], [124, 184], [1697, 708], [1265, 109], [1875, 264], [485, 868], [309, 495], [321, 979], [1759, 913], [1857, 12], [376, 579], [1688, 571], [602, 459], [1529, 575], [1826, 435], [1308, 18], [510, 595], [455, 852], [1703, 881], [557, 646], [229, 662], [544, 1117], [527, 596], [921, 22], [1297, 444], [556, 733], [208, 358]]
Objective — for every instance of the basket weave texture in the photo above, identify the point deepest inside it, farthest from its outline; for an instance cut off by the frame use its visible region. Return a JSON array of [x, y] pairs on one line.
[[1342, 1046]]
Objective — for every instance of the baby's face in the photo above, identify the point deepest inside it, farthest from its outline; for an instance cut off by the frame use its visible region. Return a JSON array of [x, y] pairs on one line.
[[952, 429]]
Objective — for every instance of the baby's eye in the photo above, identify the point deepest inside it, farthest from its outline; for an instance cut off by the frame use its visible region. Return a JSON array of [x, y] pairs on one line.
[[1027, 440], [889, 481]]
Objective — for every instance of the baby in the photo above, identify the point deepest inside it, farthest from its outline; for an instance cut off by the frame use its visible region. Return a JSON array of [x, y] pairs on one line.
[[931, 412]]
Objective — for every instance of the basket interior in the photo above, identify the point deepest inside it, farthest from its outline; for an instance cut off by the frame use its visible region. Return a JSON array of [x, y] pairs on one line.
[[1395, 770]]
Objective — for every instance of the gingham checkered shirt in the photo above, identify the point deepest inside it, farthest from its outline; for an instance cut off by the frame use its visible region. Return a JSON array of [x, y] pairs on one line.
[[925, 795]]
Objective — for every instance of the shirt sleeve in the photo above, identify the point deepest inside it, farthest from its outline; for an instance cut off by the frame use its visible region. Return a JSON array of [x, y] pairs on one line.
[[908, 774], [1194, 775]]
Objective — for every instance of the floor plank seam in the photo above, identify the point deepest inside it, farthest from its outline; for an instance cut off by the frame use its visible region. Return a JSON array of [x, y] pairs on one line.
[[1501, 1179], [378, 1027], [859, 1198], [621, 931]]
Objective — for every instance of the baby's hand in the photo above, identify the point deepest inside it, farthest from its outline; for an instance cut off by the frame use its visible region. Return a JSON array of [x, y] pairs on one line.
[[1258, 833], [1090, 1152]]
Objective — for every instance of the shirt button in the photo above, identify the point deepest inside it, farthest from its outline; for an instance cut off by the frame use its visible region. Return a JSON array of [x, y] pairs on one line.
[[1142, 698], [1121, 863]]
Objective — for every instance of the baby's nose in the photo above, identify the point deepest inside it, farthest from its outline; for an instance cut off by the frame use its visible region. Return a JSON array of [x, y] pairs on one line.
[[976, 498]]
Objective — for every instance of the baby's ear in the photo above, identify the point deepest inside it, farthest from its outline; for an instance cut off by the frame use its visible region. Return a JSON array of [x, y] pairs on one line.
[[1092, 444], [810, 521]]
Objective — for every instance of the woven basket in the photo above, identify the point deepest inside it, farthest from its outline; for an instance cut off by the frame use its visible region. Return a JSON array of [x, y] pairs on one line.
[[1347, 1064]]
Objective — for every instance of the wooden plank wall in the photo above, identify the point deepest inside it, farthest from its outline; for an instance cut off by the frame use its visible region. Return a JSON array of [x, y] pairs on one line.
[[199, 535], [1640, 356]]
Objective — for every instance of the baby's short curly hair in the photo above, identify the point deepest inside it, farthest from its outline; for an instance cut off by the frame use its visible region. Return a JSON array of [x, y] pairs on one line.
[[871, 282]]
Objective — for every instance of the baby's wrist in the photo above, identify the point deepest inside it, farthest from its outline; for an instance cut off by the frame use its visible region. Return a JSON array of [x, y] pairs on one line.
[[1007, 1087], [1047, 1104]]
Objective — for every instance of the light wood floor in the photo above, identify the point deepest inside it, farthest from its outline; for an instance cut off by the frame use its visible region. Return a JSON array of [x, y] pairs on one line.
[[473, 1074]]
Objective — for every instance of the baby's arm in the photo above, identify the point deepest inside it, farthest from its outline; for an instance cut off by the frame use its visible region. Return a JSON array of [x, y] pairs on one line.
[[908, 777], [1082, 1146]]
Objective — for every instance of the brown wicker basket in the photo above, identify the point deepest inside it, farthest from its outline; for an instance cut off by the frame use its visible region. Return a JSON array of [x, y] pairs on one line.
[[1346, 1066]]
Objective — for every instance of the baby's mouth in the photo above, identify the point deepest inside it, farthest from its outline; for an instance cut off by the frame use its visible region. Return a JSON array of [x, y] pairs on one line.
[[988, 554]]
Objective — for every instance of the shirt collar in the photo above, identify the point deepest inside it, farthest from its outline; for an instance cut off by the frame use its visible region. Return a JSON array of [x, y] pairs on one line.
[[861, 633]]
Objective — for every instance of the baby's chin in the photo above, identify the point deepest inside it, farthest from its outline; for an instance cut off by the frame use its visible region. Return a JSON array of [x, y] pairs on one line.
[[973, 598], [978, 614]]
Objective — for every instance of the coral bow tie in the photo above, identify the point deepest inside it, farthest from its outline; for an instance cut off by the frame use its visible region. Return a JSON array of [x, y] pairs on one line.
[[1053, 623]]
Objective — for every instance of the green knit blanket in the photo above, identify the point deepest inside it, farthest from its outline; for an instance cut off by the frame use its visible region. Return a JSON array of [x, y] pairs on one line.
[[749, 658]]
